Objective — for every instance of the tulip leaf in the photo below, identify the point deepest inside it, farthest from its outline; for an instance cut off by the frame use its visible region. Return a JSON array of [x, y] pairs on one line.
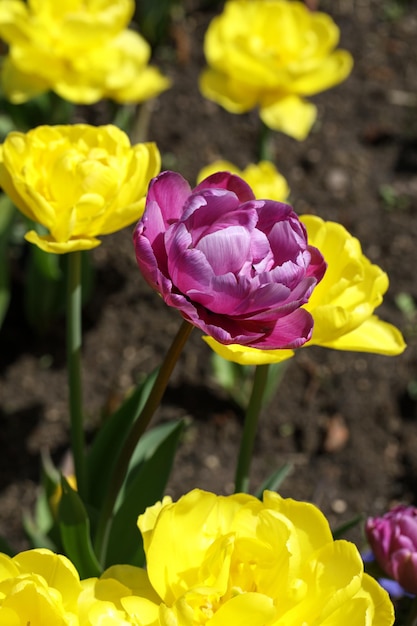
[[340, 531], [42, 287], [75, 532], [145, 484], [275, 480], [108, 442]]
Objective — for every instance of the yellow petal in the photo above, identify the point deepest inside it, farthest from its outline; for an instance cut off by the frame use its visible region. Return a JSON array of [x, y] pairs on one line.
[[227, 91], [48, 244], [330, 72], [20, 86], [141, 610], [374, 335], [56, 569], [247, 356], [289, 114], [249, 609]]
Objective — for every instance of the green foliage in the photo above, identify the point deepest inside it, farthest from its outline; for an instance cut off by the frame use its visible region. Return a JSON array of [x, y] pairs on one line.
[[275, 480], [108, 442], [237, 379], [74, 525], [145, 484], [154, 19]]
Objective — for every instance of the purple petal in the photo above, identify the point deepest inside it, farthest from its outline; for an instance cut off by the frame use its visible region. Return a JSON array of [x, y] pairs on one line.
[[216, 209], [271, 213], [231, 182], [318, 265], [169, 191], [226, 250], [285, 244], [291, 331], [261, 254]]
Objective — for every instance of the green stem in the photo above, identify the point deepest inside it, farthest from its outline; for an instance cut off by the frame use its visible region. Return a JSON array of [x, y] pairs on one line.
[[137, 431], [265, 144], [249, 429], [74, 370]]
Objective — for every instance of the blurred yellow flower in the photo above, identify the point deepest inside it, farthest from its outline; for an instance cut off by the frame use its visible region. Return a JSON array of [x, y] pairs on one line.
[[342, 304], [263, 178], [38, 587], [271, 54], [235, 560], [77, 181], [80, 49], [121, 596]]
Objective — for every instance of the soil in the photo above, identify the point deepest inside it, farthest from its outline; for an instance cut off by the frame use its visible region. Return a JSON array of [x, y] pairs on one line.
[[347, 422]]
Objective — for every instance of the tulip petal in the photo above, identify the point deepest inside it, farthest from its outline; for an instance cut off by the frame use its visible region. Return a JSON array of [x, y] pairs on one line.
[[249, 609], [291, 331], [170, 195], [227, 91], [226, 250], [48, 244], [244, 355], [374, 335], [289, 114], [227, 180], [331, 71]]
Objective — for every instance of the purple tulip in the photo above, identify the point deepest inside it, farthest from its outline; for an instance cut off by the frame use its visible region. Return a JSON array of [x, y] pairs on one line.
[[393, 539], [237, 268]]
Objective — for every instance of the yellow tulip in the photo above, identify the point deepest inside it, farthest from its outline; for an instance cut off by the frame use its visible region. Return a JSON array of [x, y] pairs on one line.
[[271, 54], [235, 560], [77, 181], [342, 304], [81, 49], [263, 178], [38, 587]]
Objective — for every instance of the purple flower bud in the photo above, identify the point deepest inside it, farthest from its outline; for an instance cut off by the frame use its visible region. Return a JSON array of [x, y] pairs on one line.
[[239, 269], [393, 539]]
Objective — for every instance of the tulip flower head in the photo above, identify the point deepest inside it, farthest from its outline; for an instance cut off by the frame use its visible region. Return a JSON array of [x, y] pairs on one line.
[[271, 54], [393, 539], [77, 181], [81, 49], [238, 268], [237, 560]]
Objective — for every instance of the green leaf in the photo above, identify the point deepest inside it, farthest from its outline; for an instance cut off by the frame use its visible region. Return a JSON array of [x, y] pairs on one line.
[[75, 532], [340, 531], [145, 484], [275, 480], [42, 288], [7, 213], [109, 440]]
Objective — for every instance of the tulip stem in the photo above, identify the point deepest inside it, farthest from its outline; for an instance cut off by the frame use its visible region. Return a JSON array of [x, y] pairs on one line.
[[265, 144], [74, 370], [138, 429], [249, 428]]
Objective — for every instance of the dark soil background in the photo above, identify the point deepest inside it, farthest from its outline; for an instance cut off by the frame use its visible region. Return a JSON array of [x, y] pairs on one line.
[[346, 421]]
